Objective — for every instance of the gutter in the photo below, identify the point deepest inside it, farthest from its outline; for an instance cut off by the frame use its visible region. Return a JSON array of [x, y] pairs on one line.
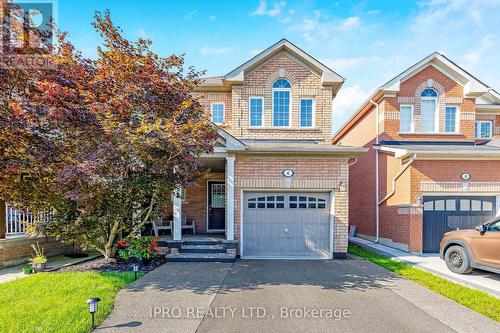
[[377, 207], [396, 177]]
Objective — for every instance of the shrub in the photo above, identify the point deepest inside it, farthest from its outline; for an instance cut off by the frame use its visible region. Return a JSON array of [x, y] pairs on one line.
[[139, 248]]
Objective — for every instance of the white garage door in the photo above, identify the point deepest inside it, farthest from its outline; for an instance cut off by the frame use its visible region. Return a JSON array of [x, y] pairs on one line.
[[286, 225]]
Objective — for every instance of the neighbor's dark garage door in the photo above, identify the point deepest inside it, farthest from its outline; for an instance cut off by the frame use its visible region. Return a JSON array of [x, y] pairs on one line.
[[442, 214]]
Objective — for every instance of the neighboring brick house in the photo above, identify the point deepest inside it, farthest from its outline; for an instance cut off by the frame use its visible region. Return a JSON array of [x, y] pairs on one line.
[[274, 183], [432, 134]]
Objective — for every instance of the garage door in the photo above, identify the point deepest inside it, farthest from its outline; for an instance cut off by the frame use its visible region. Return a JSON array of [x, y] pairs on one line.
[[286, 225], [446, 213]]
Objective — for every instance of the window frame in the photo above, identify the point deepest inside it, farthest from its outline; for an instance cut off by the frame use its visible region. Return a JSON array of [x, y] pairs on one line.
[[250, 112], [313, 111], [436, 110], [223, 112], [457, 117], [289, 90], [412, 118], [478, 129]]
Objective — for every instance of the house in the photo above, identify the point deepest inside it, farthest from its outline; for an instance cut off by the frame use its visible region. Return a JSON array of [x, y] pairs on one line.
[[434, 156], [274, 184]]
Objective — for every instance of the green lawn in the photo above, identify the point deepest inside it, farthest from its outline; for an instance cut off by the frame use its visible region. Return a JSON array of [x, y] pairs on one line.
[[474, 299], [48, 302]]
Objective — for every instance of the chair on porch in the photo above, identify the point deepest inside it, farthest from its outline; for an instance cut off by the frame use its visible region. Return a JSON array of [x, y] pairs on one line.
[[161, 225], [188, 224]]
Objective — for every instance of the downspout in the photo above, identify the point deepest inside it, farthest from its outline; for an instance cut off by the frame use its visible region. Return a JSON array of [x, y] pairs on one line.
[[377, 213], [403, 169]]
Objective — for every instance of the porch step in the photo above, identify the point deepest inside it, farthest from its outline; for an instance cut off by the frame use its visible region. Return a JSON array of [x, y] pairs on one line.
[[200, 257], [203, 249]]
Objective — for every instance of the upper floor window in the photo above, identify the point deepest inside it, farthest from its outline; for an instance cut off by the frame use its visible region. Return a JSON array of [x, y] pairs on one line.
[[451, 119], [256, 105], [483, 129], [281, 102], [306, 112], [406, 118], [217, 113], [428, 111]]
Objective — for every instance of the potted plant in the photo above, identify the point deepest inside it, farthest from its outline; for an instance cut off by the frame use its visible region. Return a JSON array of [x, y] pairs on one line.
[[38, 261], [28, 269]]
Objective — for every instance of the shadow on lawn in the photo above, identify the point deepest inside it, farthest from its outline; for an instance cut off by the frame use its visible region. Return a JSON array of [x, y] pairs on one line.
[[201, 278]]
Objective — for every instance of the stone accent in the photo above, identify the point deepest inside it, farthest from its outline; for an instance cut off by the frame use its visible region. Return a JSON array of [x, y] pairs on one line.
[[463, 186]]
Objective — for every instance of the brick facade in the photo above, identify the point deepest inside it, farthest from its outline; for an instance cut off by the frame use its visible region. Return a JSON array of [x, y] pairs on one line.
[[258, 83], [257, 172], [15, 251], [401, 217]]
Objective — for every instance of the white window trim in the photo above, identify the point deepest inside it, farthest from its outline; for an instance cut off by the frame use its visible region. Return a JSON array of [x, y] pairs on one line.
[[313, 122], [223, 112], [249, 113], [436, 112], [289, 107], [478, 129], [412, 118], [457, 117]]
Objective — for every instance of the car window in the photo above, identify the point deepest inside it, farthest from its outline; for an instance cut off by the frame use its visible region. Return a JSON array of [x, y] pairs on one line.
[[495, 226]]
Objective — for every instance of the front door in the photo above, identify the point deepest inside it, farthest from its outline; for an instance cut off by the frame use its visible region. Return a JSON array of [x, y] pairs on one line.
[[216, 206]]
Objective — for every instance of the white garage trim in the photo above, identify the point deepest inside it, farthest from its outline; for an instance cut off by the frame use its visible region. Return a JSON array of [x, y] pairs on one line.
[[331, 220]]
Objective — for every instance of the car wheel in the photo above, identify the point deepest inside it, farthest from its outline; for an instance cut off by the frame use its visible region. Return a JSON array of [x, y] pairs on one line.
[[457, 260]]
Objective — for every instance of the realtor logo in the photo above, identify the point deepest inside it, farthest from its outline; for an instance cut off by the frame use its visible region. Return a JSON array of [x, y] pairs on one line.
[[27, 32]]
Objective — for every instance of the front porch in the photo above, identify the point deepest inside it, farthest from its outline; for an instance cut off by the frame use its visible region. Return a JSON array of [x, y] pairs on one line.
[[206, 206]]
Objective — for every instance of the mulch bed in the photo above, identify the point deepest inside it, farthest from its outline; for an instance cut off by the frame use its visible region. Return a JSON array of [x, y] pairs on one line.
[[103, 265]]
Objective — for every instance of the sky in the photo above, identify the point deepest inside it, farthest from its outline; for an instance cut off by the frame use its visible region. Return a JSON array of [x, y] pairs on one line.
[[367, 42]]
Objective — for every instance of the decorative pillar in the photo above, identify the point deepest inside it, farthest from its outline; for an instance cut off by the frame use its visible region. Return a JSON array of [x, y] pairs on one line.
[[177, 212], [3, 222], [230, 197]]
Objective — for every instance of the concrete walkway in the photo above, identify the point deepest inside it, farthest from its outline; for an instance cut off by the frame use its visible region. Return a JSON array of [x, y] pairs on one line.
[[53, 263], [285, 296], [485, 281]]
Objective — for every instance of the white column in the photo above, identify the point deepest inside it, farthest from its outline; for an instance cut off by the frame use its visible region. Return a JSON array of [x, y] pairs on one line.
[[177, 210], [230, 197]]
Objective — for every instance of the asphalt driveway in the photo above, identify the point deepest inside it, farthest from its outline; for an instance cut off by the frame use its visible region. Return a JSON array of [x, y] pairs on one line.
[[285, 296]]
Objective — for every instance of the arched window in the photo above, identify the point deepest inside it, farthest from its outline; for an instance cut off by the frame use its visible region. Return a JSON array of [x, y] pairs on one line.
[[281, 102], [428, 111], [429, 93]]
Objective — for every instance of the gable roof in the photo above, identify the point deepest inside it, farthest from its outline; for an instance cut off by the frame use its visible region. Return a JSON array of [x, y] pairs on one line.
[[473, 87], [237, 75]]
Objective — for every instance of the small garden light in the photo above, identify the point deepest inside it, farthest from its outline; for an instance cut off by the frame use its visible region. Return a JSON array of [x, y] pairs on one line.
[[135, 267], [93, 307]]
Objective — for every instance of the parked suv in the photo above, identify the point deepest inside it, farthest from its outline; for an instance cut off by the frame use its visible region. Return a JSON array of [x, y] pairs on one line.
[[463, 250]]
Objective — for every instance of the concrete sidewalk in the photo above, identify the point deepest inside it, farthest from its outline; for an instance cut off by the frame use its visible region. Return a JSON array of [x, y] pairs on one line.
[[53, 263], [478, 279]]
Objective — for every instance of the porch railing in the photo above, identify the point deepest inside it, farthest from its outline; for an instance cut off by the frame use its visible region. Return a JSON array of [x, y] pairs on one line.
[[17, 221]]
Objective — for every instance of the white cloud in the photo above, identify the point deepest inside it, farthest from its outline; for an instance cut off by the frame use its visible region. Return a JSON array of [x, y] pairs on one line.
[[343, 64], [348, 100], [255, 51], [189, 15], [206, 50], [349, 23], [142, 34], [212, 17], [274, 10], [474, 56]]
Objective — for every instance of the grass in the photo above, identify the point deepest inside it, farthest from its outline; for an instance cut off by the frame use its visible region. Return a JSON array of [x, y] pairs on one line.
[[476, 300], [48, 302]]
